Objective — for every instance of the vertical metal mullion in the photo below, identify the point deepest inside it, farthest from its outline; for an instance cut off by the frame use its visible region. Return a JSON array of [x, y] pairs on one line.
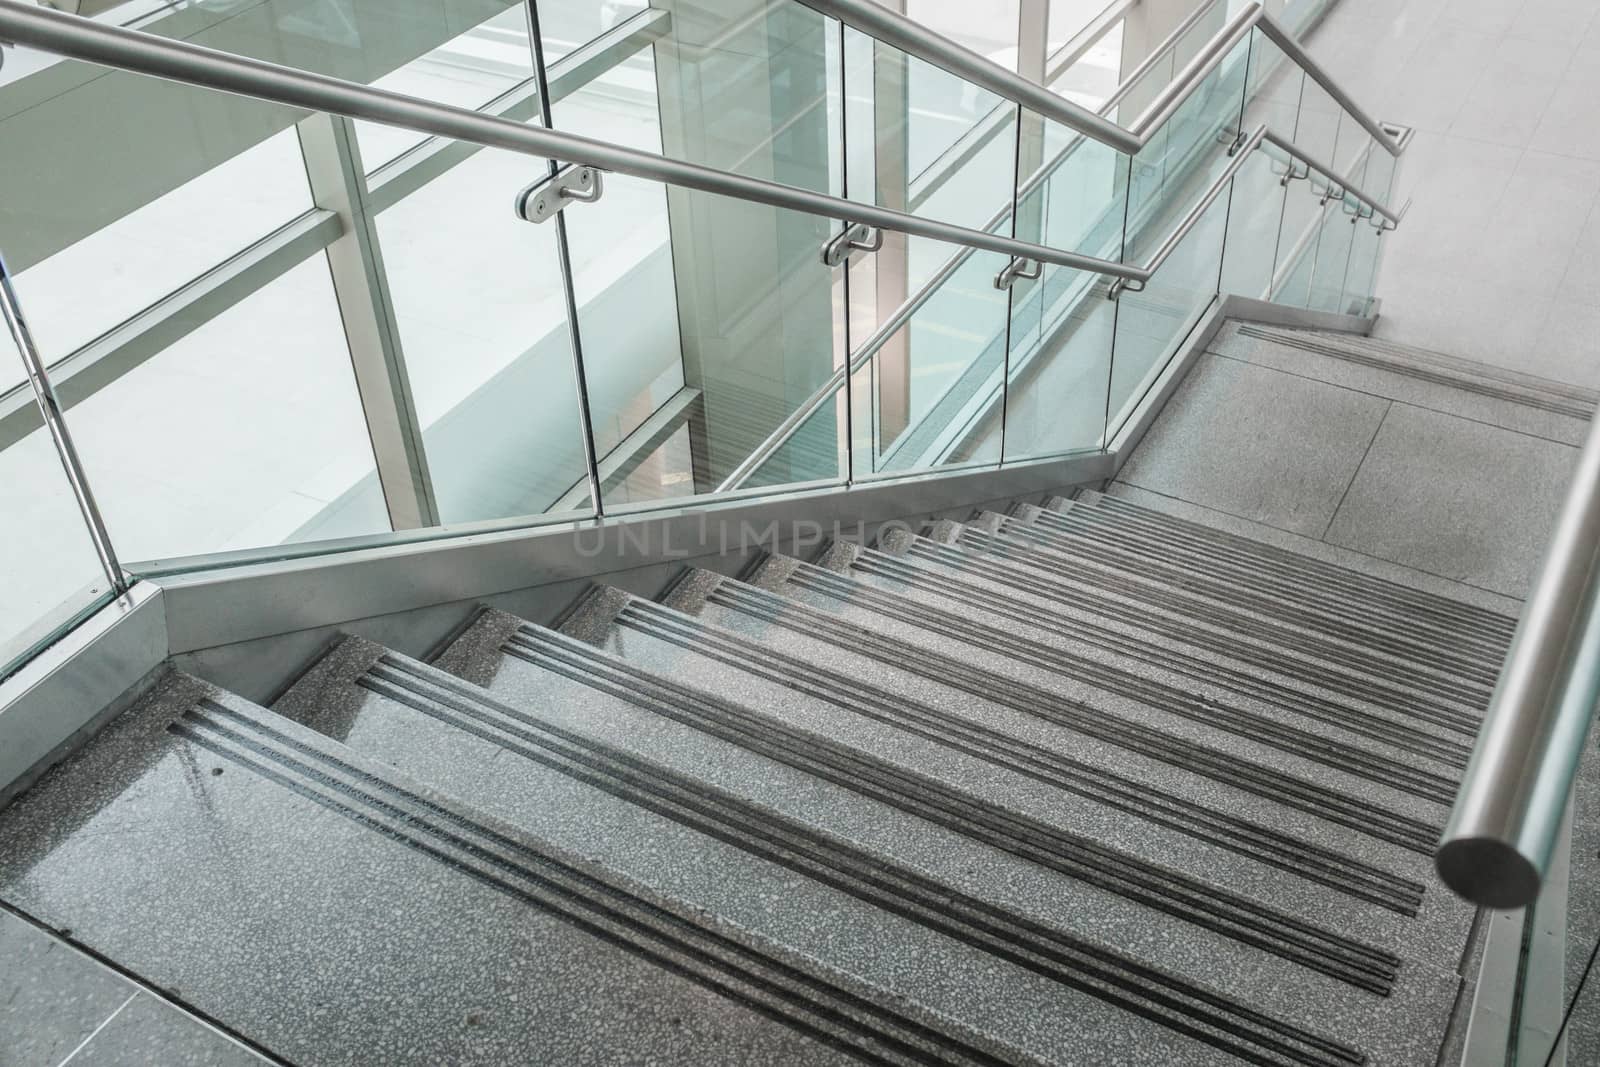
[[56, 422], [1116, 312], [564, 261], [337, 176], [849, 344], [1238, 134], [1011, 291]]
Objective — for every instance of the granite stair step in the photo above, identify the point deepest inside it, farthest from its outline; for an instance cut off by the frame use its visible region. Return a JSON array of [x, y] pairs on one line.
[[1077, 583], [974, 621], [1436, 368], [843, 783], [667, 813], [333, 910], [1244, 584], [1163, 535], [926, 569]]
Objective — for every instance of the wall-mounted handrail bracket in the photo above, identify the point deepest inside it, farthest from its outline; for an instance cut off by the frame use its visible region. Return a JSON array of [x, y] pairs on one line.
[[1332, 192], [855, 237], [1124, 285], [1017, 268], [547, 197], [1234, 139], [1293, 175]]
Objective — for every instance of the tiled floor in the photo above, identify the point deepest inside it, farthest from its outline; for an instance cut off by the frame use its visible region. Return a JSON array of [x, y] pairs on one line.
[[1499, 258], [1389, 472], [58, 1006]]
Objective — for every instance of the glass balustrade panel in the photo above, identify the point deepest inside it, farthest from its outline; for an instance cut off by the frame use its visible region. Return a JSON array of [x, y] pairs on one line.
[[50, 571], [1255, 213], [1331, 261], [931, 385], [127, 197], [1367, 243], [1153, 324], [622, 254], [1060, 338]]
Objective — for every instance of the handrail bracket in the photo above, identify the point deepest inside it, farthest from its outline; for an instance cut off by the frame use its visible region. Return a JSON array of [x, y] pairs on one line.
[[548, 197], [1019, 267], [856, 237]]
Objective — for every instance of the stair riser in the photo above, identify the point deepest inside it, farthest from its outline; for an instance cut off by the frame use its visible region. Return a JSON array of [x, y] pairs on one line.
[[1243, 588], [1050, 575], [1182, 534], [1144, 632]]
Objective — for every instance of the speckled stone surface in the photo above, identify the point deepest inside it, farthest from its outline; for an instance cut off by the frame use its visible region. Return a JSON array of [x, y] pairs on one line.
[[1434, 717], [147, 1031], [1260, 345], [1439, 929], [1335, 555], [1448, 606], [1423, 995], [1030, 631], [51, 998], [1283, 456], [1466, 501], [1166, 644], [328, 942], [955, 985], [1457, 642], [1167, 604]]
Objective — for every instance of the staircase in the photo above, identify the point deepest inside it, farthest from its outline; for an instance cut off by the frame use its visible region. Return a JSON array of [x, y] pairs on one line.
[[1086, 782]]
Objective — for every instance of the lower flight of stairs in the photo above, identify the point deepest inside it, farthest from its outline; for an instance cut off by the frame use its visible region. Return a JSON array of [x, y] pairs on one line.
[[1081, 783]]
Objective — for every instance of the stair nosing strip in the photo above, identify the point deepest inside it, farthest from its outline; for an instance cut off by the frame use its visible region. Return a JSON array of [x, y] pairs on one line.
[[762, 824], [853, 1021]]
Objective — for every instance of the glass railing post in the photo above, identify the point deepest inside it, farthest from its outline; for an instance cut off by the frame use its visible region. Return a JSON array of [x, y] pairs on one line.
[[55, 422], [591, 459]]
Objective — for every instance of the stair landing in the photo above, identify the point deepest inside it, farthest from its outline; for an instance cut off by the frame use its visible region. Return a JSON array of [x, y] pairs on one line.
[[1376, 450]]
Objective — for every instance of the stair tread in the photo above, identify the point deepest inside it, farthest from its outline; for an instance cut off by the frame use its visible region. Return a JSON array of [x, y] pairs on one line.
[[1070, 585], [1410, 374], [268, 870], [1180, 660], [892, 834], [1136, 545]]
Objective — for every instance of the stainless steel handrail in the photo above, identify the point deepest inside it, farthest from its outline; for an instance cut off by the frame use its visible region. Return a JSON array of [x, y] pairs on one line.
[[55, 422], [1065, 57], [1502, 831], [1315, 71], [917, 40], [79, 38], [1196, 213], [1168, 43], [1138, 275], [1183, 84], [1327, 171]]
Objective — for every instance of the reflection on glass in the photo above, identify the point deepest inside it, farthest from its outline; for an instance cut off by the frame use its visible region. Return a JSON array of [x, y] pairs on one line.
[[468, 69], [623, 279], [933, 379], [271, 447], [49, 570], [79, 277], [482, 318], [1255, 211], [567, 25], [1090, 81], [1152, 324], [1325, 289]]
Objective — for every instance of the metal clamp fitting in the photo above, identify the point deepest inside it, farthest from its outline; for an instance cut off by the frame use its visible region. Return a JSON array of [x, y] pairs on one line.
[[1291, 175], [857, 237], [544, 199], [1124, 285], [1017, 268]]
